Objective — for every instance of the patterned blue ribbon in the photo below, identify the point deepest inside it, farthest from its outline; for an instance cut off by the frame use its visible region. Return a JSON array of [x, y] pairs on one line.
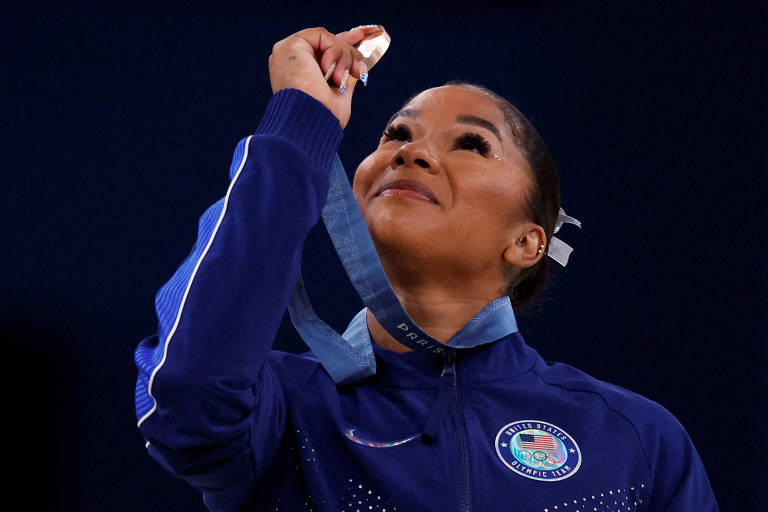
[[350, 358]]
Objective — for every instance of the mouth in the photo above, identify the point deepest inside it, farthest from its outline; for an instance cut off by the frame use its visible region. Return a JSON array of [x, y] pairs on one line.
[[407, 188]]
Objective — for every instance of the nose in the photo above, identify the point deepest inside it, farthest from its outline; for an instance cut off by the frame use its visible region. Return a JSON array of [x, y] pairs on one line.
[[414, 154]]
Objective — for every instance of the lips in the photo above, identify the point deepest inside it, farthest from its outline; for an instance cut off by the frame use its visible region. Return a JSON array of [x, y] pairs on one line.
[[411, 185]]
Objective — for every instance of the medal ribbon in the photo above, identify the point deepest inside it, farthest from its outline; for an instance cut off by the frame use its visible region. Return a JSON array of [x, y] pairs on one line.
[[350, 358]]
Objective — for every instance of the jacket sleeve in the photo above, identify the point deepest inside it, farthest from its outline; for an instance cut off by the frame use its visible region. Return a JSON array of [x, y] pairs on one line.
[[209, 405]]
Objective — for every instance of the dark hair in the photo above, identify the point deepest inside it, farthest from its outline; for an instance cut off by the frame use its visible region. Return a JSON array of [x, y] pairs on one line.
[[542, 198]]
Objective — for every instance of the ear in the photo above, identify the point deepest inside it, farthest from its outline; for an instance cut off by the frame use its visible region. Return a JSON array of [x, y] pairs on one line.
[[523, 248]]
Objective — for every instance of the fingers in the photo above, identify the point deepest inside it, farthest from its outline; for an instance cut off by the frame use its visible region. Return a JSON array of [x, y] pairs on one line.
[[329, 62], [319, 38], [328, 73], [353, 35], [360, 71], [339, 61]]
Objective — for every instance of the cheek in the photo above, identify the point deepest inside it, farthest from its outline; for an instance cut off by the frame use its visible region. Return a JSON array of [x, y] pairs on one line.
[[498, 201], [484, 188], [365, 176]]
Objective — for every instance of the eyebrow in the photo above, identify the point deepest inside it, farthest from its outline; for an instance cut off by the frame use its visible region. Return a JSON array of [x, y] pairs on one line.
[[483, 123], [406, 112]]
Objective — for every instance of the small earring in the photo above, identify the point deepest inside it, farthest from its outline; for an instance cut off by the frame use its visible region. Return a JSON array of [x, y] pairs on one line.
[[541, 249]]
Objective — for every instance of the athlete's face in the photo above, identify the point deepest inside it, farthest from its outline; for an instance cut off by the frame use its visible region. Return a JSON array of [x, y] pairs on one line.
[[447, 176]]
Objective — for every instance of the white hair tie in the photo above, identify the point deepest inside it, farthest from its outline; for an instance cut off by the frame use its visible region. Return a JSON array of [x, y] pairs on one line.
[[559, 250]]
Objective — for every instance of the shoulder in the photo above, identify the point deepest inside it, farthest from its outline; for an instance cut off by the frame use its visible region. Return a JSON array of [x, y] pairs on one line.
[[658, 431], [648, 418], [678, 479]]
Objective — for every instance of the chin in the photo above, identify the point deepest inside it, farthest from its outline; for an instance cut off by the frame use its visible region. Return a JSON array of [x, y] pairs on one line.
[[400, 228]]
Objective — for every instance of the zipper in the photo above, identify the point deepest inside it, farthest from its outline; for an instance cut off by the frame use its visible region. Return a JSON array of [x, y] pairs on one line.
[[460, 430], [445, 392], [448, 400]]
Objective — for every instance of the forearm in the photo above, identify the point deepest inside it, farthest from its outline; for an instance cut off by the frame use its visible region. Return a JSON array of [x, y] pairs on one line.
[[202, 377]]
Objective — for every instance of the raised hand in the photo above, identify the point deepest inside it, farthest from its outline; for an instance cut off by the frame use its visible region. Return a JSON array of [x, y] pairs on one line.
[[324, 65]]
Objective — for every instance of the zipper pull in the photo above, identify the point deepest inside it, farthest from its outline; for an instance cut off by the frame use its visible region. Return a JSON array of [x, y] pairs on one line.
[[444, 393], [449, 367]]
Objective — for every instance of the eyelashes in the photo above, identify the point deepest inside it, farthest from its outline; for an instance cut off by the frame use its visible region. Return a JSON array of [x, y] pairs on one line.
[[469, 141], [396, 132], [473, 142]]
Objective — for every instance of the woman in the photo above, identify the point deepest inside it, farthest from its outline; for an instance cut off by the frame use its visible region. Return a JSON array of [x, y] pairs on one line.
[[461, 199]]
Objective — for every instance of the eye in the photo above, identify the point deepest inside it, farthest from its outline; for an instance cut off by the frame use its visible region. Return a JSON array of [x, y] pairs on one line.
[[398, 132], [473, 142]]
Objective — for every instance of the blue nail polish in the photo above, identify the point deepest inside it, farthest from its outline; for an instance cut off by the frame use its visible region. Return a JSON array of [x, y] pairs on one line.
[[364, 78]]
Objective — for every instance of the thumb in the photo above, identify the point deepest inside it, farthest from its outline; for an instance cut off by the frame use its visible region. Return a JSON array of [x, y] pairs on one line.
[[354, 35]]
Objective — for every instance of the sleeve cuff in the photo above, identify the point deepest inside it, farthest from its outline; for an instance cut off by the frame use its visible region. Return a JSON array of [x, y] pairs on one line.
[[298, 117]]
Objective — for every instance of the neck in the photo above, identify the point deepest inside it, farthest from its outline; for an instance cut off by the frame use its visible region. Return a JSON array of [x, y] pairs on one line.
[[440, 293], [440, 312]]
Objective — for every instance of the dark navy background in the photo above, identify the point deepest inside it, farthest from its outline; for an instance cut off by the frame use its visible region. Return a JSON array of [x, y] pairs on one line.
[[118, 128]]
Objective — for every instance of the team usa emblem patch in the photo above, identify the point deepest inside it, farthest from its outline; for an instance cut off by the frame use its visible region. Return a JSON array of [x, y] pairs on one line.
[[538, 450]]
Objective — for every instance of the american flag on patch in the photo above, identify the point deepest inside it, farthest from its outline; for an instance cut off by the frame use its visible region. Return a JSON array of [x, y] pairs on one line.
[[537, 442]]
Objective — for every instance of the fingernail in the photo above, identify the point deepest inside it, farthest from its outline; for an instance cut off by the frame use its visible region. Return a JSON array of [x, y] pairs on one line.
[[330, 71], [344, 81], [364, 74], [364, 26]]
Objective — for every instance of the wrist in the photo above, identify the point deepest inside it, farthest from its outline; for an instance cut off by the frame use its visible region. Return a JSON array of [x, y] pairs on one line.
[[294, 115]]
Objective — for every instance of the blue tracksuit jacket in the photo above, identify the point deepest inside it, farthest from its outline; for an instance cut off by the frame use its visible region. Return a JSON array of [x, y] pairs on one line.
[[256, 429]]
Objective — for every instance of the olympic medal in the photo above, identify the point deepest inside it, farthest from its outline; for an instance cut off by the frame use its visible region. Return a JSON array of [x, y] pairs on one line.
[[374, 44]]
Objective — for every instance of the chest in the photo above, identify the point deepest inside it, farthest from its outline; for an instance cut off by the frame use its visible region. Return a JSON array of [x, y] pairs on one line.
[[499, 446]]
